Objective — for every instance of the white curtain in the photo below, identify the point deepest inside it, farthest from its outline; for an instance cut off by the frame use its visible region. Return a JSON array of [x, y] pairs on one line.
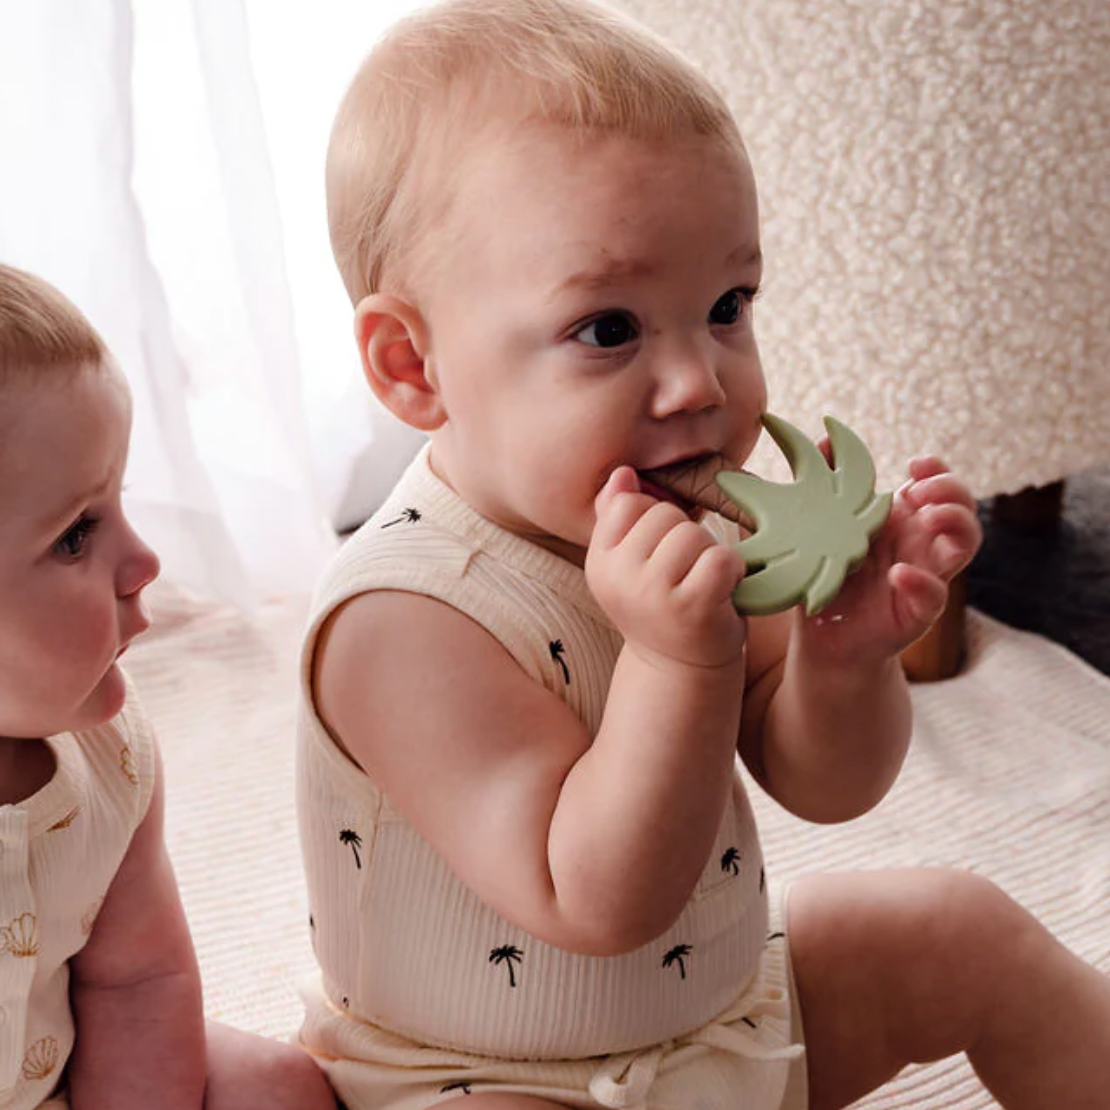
[[161, 161]]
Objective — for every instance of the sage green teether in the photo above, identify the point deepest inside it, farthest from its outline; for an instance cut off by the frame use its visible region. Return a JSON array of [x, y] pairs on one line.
[[810, 533]]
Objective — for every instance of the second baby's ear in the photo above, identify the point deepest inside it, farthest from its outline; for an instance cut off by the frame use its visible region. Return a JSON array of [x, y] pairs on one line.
[[392, 340]]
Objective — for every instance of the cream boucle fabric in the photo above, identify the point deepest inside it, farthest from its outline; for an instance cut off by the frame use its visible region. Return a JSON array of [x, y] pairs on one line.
[[1009, 775], [936, 215]]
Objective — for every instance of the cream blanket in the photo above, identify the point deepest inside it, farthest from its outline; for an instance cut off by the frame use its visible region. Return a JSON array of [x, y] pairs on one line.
[[933, 180], [1009, 775]]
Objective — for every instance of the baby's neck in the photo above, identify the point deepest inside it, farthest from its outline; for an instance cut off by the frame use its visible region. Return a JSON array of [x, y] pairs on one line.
[[26, 766]]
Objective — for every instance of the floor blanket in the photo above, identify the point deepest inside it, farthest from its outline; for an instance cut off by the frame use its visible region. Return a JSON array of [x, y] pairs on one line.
[[1008, 775]]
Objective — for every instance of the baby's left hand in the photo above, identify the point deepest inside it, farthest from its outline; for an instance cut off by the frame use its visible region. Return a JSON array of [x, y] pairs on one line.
[[932, 533]]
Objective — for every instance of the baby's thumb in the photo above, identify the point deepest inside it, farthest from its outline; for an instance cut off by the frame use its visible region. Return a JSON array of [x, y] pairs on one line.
[[623, 480]]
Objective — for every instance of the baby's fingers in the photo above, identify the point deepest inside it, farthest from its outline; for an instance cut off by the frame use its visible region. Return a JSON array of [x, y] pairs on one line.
[[918, 598], [935, 488], [618, 506], [954, 535]]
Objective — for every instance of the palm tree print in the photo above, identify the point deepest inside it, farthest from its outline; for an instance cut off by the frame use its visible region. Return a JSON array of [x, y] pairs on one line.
[[507, 954], [409, 516], [458, 1085], [557, 650], [730, 861], [349, 836], [762, 880], [677, 955]]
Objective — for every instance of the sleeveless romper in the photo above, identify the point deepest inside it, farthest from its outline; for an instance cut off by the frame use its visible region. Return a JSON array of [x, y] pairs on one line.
[[60, 849], [424, 991]]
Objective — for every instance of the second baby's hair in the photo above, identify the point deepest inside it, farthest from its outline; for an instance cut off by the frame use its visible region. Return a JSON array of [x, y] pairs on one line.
[[41, 329]]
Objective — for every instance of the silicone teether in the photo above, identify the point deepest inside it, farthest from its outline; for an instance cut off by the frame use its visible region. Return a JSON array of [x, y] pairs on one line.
[[811, 533]]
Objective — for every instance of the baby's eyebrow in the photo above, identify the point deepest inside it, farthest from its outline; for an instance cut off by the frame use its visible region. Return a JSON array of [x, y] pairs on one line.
[[613, 271], [54, 519]]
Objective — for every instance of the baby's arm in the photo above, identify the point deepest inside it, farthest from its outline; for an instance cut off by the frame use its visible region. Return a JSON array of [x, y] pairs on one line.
[[592, 846], [135, 989], [828, 715]]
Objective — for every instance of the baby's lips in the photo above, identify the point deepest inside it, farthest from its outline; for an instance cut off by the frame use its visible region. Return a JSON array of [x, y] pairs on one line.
[[694, 482]]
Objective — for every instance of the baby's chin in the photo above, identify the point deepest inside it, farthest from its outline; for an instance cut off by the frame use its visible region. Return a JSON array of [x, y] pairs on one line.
[[105, 701]]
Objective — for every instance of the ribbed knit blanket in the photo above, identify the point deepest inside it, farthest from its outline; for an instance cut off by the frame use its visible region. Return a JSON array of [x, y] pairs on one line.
[[1009, 775]]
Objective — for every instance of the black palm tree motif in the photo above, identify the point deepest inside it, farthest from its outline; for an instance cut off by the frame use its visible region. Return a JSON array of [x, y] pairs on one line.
[[507, 954], [458, 1085], [677, 955], [349, 836], [730, 861], [775, 936], [557, 650], [409, 516], [762, 880]]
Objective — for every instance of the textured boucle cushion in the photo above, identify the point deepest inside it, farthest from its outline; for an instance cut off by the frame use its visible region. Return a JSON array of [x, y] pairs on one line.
[[935, 189]]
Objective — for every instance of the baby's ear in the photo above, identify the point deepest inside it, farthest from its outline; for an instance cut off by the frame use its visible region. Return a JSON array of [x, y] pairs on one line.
[[392, 340]]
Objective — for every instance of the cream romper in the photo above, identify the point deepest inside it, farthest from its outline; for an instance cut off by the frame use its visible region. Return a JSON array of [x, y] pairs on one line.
[[59, 851], [425, 992]]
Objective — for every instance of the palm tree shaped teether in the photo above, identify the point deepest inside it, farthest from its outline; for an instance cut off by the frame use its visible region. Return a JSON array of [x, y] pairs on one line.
[[809, 534]]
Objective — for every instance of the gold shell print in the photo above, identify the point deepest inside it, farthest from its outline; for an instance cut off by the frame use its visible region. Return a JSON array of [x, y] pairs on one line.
[[66, 821], [127, 764], [41, 1059], [18, 936]]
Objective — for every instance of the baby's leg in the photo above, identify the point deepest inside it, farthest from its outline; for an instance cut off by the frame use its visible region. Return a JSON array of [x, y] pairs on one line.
[[249, 1072], [897, 967]]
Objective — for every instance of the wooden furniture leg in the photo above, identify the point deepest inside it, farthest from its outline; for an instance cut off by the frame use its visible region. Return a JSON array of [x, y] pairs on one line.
[[940, 652], [1034, 509]]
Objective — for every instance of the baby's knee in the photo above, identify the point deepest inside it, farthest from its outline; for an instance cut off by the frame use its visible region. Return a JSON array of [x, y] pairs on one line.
[[965, 941], [250, 1072], [292, 1072]]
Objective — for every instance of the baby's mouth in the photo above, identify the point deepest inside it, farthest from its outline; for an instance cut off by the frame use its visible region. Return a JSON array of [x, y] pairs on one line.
[[691, 484]]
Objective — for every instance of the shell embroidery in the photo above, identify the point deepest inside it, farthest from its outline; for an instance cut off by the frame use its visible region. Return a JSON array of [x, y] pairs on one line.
[[127, 764], [66, 821], [18, 937], [40, 1059]]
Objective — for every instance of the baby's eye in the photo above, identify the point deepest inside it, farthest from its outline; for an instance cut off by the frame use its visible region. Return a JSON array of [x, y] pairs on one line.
[[611, 330], [74, 542], [728, 308]]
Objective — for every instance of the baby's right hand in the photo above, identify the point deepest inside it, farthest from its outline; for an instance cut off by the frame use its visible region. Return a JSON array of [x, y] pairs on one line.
[[662, 579]]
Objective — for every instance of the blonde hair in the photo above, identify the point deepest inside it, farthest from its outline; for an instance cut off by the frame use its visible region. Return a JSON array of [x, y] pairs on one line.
[[42, 330], [435, 79]]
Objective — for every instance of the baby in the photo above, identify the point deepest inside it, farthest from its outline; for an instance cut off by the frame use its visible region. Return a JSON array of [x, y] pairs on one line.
[[100, 996], [534, 874]]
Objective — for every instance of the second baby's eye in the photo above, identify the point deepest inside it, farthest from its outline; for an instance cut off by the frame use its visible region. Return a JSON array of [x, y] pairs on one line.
[[728, 308], [611, 330], [73, 543]]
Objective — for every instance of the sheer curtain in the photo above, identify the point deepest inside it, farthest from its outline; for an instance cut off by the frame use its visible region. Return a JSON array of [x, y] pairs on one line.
[[162, 163]]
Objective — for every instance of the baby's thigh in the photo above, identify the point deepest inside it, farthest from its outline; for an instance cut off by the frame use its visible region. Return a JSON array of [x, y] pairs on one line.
[[892, 967]]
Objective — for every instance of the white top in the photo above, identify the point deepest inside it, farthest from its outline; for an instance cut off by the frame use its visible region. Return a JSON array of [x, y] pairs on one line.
[[59, 851], [401, 942]]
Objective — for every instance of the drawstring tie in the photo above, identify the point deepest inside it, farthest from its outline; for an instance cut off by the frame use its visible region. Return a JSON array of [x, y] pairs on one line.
[[624, 1080]]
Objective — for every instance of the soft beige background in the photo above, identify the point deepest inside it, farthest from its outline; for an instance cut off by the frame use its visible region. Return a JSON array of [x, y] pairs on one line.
[[933, 181]]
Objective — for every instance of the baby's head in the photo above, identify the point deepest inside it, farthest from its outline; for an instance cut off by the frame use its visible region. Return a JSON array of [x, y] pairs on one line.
[[548, 226], [454, 76], [71, 568]]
